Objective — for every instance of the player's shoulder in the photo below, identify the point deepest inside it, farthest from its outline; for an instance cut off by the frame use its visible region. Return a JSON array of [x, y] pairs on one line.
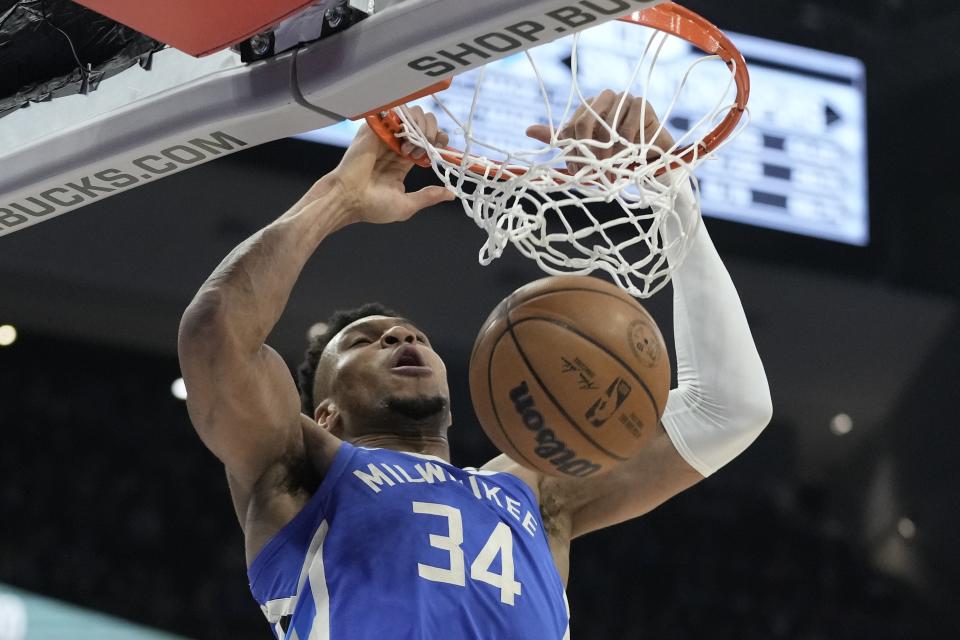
[[504, 464], [550, 493]]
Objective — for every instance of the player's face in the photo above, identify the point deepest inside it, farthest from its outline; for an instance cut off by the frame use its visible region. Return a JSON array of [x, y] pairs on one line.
[[380, 358]]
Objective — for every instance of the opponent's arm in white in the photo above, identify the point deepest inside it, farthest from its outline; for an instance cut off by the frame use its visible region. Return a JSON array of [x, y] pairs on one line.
[[241, 397], [722, 401]]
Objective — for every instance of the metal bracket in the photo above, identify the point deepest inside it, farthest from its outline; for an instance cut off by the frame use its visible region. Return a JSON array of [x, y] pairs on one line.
[[316, 22]]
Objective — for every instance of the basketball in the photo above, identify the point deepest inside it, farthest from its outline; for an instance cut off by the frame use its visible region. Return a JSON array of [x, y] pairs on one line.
[[569, 376]]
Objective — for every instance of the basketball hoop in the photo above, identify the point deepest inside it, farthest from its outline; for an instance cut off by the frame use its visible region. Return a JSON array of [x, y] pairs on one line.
[[527, 198]]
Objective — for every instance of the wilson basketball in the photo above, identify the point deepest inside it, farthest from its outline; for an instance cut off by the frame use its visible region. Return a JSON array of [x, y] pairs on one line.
[[569, 376]]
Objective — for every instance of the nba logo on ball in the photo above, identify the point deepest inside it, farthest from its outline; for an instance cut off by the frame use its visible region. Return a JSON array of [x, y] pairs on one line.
[[569, 376]]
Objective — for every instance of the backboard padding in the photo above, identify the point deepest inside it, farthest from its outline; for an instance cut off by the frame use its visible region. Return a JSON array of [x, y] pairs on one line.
[[197, 28]]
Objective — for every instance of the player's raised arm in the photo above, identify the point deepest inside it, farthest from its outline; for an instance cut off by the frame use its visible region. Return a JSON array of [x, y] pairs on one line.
[[722, 401], [241, 397]]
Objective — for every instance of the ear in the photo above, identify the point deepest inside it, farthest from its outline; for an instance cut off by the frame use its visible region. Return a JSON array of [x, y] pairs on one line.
[[327, 415]]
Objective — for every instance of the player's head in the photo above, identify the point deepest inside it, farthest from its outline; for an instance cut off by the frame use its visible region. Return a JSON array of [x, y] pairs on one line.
[[374, 368]]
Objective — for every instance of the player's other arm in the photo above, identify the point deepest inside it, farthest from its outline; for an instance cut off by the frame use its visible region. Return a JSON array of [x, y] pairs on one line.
[[722, 401], [241, 397]]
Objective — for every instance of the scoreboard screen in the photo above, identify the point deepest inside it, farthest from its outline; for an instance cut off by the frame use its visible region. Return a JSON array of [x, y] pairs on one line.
[[799, 166]]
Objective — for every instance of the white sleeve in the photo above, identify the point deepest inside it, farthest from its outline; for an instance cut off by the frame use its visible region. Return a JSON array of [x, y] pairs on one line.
[[722, 400]]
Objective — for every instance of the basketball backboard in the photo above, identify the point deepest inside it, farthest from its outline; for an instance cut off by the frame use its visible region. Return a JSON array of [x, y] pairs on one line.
[[198, 28]]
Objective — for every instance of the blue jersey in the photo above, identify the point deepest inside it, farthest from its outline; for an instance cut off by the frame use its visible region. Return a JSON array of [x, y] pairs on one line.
[[409, 547]]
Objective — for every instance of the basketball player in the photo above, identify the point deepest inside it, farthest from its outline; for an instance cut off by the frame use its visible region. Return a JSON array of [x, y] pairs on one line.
[[356, 524]]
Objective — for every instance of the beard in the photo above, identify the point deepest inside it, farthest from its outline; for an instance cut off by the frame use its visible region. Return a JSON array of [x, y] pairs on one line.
[[418, 408]]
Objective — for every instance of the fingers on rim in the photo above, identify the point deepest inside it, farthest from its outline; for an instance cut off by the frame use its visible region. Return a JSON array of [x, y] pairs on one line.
[[614, 119], [605, 108], [587, 126], [583, 126], [418, 116], [430, 127], [567, 130], [632, 120], [587, 123], [427, 124], [652, 119]]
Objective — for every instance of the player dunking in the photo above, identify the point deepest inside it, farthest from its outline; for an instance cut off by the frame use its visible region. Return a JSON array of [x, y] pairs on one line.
[[356, 524]]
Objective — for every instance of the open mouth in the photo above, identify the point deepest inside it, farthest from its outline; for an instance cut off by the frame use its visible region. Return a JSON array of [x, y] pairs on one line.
[[409, 360]]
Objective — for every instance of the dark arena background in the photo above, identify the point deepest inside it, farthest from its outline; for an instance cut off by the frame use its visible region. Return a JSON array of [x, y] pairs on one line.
[[841, 522]]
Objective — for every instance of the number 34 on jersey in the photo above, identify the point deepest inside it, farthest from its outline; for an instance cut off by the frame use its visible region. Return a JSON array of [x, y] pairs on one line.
[[500, 543]]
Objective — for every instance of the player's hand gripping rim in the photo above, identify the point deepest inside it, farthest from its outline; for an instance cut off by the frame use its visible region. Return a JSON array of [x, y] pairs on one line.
[[637, 122], [372, 175]]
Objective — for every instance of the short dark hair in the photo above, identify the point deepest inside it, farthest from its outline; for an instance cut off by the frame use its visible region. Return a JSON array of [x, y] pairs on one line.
[[307, 371]]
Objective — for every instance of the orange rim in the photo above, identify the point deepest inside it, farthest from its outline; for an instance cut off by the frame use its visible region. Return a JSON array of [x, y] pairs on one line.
[[668, 17]]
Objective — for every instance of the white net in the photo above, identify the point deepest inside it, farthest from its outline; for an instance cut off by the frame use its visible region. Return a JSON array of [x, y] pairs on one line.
[[578, 205]]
